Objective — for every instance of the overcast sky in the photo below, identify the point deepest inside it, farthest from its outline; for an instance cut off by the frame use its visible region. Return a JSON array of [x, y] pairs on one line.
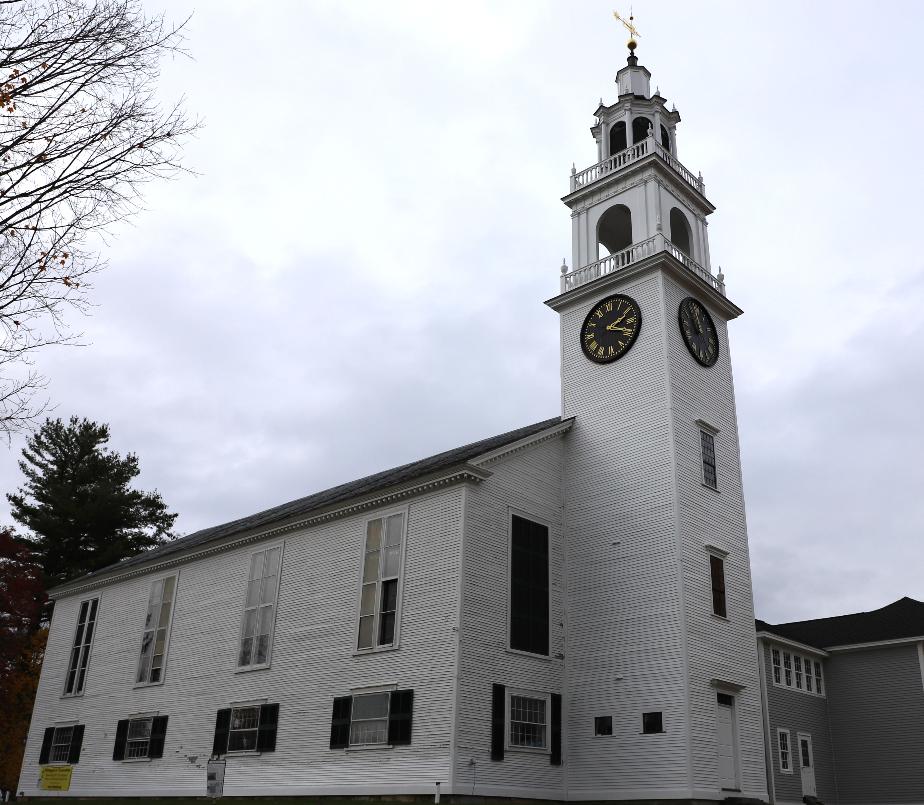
[[377, 205]]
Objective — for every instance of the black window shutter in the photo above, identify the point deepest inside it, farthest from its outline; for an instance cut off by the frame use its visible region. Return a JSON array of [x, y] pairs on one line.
[[46, 744], [400, 717], [340, 722], [73, 756], [222, 728], [158, 736], [266, 734], [498, 706], [555, 744], [118, 750]]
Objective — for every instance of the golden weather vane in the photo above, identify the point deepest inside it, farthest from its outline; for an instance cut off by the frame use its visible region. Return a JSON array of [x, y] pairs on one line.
[[630, 27]]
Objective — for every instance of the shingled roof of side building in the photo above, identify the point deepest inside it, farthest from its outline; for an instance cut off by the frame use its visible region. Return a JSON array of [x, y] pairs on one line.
[[900, 620], [319, 501]]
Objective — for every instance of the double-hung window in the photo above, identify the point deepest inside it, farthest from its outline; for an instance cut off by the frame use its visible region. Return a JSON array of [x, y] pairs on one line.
[[782, 737], [260, 609], [380, 718], [156, 632], [80, 652], [777, 667], [246, 728], [61, 744], [797, 672], [140, 738], [528, 721], [382, 558], [529, 586]]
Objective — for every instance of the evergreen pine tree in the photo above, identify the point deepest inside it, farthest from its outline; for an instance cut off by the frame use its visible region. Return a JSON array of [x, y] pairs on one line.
[[78, 504]]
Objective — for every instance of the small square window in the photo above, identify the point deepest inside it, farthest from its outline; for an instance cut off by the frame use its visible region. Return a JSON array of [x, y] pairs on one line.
[[652, 723], [603, 725]]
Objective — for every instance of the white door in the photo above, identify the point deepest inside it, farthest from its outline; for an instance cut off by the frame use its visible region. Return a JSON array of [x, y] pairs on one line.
[[725, 741], [806, 764]]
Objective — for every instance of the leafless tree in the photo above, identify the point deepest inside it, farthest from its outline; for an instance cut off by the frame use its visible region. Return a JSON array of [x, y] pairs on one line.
[[81, 132]]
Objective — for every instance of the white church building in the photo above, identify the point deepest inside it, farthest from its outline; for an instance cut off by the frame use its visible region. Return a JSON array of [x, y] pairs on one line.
[[562, 612]]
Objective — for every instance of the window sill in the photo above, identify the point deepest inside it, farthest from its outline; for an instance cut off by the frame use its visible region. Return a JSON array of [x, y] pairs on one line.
[[72, 695], [136, 760], [148, 684], [244, 753], [723, 618], [710, 488], [360, 652], [521, 653], [243, 669], [368, 747], [660, 732], [529, 750]]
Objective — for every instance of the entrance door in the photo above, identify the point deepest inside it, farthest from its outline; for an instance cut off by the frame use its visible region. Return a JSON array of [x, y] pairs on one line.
[[807, 764], [725, 742]]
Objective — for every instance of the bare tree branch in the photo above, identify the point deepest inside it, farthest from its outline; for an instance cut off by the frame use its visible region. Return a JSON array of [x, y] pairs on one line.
[[81, 133]]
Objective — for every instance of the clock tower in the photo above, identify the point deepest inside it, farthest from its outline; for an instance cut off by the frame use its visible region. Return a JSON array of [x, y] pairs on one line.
[[660, 616]]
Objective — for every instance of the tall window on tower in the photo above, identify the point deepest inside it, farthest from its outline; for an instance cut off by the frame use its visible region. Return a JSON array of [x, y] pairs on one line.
[[717, 572], [378, 605], [529, 586], [707, 440]]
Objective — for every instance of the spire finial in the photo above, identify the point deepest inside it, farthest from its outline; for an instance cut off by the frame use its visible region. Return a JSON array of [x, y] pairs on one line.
[[629, 25]]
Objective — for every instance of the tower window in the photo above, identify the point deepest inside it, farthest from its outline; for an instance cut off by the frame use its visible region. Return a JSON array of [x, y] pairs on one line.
[[681, 234], [707, 441], [665, 140], [717, 572], [603, 725], [614, 231], [640, 126], [618, 138]]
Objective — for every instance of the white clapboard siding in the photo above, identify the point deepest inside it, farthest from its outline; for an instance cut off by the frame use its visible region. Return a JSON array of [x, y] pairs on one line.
[[530, 483], [625, 653], [718, 649], [313, 661]]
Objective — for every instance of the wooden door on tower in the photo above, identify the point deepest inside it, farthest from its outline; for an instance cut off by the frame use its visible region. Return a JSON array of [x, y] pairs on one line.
[[726, 744]]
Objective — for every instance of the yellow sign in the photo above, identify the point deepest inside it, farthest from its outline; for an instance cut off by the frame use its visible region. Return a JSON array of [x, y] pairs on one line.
[[56, 778]]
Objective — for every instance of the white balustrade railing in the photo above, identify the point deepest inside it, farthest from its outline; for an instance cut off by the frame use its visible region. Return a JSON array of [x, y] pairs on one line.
[[638, 251], [632, 154]]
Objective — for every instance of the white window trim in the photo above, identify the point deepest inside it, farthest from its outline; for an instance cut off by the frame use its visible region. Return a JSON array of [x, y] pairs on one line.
[[240, 669], [396, 643], [163, 673], [804, 658], [67, 668], [779, 751], [530, 694], [525, 515]]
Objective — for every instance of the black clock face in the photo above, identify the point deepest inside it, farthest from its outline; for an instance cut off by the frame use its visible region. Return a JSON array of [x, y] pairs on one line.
[[611, 328], [699, 331]]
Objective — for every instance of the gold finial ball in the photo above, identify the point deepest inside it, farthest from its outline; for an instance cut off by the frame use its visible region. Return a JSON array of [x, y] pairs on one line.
[[632, 44]]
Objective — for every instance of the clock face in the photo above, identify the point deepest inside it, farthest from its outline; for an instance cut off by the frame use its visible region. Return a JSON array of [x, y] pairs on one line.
[[699, 331], [611, 328]]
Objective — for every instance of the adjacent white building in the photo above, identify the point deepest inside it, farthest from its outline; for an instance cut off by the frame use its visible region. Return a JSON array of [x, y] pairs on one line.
[[561, 612]]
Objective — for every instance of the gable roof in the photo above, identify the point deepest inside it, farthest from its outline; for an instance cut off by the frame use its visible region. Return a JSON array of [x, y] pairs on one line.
[[329, 497], [901, 619]]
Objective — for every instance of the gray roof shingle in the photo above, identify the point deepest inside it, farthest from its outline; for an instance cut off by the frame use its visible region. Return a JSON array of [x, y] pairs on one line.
[[328, 497], [901, 619]]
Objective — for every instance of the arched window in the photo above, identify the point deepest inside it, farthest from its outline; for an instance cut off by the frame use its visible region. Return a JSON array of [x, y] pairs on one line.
[[614, 231], [665, 139], [640, 126], [618, 138], [681, 234]]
